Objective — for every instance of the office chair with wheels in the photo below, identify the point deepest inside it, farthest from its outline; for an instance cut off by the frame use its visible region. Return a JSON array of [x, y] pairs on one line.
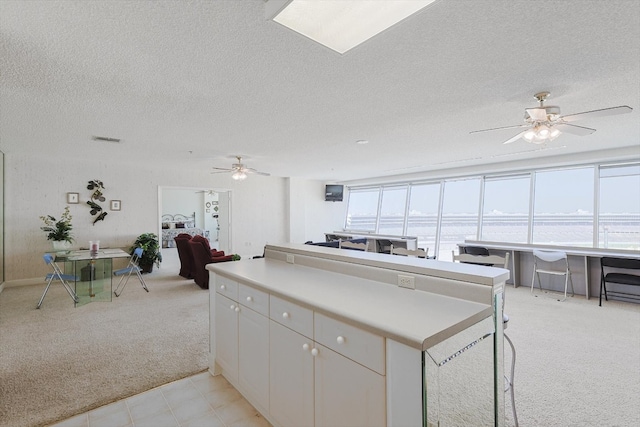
[[551, 259], [58, 275], [125, 273]]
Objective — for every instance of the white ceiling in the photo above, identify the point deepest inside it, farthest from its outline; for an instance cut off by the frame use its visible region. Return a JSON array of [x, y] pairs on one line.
[[202, 81]]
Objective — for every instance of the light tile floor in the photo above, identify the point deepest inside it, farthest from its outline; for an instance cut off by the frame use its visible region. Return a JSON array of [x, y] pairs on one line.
[[198, 401]]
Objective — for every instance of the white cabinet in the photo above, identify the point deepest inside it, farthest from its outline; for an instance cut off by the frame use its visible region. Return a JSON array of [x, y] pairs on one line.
[[346, 393], [242, 338], [326, 386], [227, 336], [253, 353], [291, 386], [297, 367]]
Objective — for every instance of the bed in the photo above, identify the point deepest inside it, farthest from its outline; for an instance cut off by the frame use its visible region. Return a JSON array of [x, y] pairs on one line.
[[174, 224]]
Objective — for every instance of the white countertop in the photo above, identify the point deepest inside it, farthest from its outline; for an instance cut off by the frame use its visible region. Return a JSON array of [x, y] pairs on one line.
[[416, 318]]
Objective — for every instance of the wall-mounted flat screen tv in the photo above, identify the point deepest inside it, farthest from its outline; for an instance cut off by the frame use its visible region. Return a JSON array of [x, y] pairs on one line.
[[333, 193]]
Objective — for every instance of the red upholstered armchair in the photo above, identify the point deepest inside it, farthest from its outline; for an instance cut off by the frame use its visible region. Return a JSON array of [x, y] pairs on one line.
[[185, 255], [201, 257], [205, 242]]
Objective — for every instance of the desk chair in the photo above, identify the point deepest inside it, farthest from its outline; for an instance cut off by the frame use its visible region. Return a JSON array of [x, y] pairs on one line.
[[612, 270], [418, 253], [351, 245], [482, 257], [551, 258], [58, 275], [132, 267]]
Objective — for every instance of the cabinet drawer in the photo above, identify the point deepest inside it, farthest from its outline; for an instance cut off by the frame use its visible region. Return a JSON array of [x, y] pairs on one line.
[[254, 299], [227, 287], [291, 315], [355, 343]]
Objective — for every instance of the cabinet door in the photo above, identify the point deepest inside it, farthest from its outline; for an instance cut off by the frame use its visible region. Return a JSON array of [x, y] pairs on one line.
[[253, 355], [291, 377], [347, 393], [227, 336]]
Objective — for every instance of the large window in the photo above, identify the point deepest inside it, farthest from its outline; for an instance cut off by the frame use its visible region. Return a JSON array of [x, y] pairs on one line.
[[459, 215], [505, 213], [619, 214], [362, 211], [584, 206], [563, 207], [392, 209], [422, 217]]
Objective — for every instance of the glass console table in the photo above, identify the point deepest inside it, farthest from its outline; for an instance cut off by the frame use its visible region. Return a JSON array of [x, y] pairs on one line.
[[93, 272]]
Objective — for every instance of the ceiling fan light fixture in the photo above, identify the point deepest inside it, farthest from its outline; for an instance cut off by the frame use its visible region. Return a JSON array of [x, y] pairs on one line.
[[529, 135], [239, 175], [543, 132]]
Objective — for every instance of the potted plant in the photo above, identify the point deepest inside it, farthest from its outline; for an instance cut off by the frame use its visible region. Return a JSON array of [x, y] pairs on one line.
[[151, 251], [59, 231]]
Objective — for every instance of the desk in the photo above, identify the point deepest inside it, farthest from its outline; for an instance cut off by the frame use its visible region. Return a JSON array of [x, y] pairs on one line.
[[377, 242], [581, 252], [93, 273]]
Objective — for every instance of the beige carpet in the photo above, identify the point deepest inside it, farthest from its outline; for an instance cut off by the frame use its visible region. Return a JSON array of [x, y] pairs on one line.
[[59, 360], [578, 364]]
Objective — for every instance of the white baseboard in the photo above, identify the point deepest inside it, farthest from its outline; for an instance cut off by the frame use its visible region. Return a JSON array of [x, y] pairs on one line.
[[22, 282]]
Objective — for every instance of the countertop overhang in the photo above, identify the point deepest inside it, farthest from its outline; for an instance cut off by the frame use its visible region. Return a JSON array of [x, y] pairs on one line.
[[416, 318]]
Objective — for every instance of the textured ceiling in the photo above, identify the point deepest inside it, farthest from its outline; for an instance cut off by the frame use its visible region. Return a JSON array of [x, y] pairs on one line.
[[201, 81]]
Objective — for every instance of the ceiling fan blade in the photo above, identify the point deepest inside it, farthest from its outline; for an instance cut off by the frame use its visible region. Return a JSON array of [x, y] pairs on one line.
[[537, 114], [223, 169], [501, 128], [252, 170], [573, 129], [514, 138], [623, 109]]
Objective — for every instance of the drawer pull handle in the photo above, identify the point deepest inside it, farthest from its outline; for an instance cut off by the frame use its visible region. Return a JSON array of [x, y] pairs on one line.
[[285, 315], [223, 287], [305, 347], [237, 309], [249, 299], [314, 352], [340, 339]]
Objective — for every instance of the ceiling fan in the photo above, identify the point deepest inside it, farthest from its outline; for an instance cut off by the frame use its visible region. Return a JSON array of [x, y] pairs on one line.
[[544, 123], [239, 171]]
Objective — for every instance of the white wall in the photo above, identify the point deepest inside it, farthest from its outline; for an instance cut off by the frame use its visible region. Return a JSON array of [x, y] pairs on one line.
[[184, 202], [37, 185], [310, 216]]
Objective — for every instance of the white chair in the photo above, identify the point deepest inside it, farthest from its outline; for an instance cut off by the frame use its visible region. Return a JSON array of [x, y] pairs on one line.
[[551, 259], [346, 244], [58, 275], [418, 253], [495, 260], [132, 267]]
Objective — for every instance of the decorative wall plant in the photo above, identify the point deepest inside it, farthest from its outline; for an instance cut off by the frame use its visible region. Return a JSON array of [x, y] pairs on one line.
[[97, 196]]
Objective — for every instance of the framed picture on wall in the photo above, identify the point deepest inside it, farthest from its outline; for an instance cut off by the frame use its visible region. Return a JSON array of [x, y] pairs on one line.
[[115, 205], [72, 198]]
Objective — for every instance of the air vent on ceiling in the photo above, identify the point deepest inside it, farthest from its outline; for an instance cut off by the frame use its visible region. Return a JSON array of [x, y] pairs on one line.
[[105, 139]]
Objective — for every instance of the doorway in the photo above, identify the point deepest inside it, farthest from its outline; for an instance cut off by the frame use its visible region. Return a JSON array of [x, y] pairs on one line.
[[207, 212]]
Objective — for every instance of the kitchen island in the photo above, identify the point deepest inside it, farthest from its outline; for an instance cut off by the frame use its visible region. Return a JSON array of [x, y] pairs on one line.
[[316, 336]]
